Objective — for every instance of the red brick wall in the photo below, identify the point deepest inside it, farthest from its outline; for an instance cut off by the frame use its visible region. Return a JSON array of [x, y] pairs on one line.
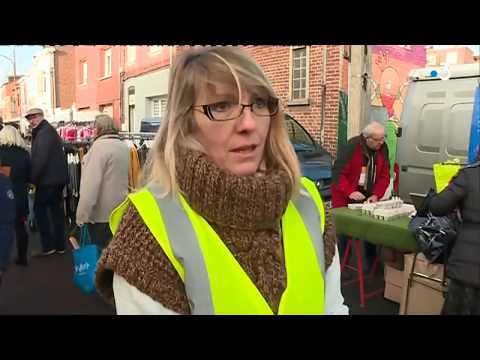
[[98, 90], [65, 76], [275, 62], [146, 61], [464, 55], [334, 81]]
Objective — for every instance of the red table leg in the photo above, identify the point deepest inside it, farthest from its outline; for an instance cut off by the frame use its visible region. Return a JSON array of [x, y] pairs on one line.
[[361, 280], [346, 255], [359, 269]]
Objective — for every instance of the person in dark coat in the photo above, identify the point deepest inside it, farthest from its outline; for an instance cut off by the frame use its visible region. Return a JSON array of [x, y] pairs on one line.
[[13, 154], [463, 265], [361, 173], [49, 174], [7, 219]]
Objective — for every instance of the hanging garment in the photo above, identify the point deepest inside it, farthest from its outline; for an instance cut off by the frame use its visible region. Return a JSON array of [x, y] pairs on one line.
[[135, 169]]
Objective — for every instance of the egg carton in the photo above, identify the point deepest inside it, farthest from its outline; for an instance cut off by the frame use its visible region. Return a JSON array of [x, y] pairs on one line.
[[355, 206], [393, 203], [368, 209], [391, 214]]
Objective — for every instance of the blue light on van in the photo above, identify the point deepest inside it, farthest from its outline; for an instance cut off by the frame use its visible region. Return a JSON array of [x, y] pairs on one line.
[[434, 73]]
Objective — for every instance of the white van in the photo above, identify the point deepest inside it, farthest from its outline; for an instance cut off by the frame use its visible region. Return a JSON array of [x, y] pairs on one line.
[[435, 124]]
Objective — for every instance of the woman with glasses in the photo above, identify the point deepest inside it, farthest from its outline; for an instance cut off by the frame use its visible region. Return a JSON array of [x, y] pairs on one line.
[[225, 224]]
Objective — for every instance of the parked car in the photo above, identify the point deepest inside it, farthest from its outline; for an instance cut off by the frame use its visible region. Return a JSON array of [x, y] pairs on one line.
[[150, 124], [315, 161]]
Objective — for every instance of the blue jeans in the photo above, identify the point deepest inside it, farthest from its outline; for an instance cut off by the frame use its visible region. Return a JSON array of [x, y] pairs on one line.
[[7, 238]]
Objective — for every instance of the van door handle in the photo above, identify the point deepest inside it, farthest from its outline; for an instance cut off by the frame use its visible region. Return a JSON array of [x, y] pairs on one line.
[[404, 168]]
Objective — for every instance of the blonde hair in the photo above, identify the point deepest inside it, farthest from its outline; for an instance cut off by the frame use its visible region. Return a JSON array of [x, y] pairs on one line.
[[192, 72], [10, 136]]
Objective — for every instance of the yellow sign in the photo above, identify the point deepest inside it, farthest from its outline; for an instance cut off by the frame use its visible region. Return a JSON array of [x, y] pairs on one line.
[[443, 173]]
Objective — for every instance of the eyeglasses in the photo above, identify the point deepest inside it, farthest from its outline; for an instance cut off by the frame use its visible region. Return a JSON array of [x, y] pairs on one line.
[[227, 110], [382, 139]]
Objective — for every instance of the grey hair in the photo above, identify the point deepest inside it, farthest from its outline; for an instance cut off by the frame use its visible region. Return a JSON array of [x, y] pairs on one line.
[[10, 136], [370, 129], [105, 125]]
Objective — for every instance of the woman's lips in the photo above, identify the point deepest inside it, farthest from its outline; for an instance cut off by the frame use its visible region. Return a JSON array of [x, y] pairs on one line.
[[244, 149]]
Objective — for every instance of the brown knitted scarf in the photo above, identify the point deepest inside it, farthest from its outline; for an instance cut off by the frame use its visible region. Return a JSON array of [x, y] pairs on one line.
[[244, 211]]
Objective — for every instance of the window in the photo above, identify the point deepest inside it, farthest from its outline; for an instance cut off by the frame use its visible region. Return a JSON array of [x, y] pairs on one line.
[[429, 128], [131, 95], [158, 106], [452, 58], [131, 54], [83, 72], [42, 82], [108, 63], [299, 74], [107, 109], [298, 136], [155, 48], [431, 59]]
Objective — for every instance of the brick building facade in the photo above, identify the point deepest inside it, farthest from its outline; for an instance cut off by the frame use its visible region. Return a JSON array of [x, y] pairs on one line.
[[452, 55], [326, 69], [64, 76]]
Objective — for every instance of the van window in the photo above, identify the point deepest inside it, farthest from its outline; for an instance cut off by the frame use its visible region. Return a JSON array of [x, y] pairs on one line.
[[430, 128], [459, 125]]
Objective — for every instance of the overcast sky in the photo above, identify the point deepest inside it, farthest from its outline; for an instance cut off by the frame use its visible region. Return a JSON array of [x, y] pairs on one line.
[[24, 55]]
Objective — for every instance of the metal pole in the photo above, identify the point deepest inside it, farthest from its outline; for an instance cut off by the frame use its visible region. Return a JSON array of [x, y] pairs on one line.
[[14, 65]]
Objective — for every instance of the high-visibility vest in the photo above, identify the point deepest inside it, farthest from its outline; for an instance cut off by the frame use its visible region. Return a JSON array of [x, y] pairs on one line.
[[215, 282]]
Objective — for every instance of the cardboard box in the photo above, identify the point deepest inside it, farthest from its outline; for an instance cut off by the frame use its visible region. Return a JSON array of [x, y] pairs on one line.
[[424, 294], [393, 293], [394, 280]]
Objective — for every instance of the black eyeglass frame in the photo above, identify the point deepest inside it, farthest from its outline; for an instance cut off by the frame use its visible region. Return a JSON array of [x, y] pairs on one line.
[[208, 112]]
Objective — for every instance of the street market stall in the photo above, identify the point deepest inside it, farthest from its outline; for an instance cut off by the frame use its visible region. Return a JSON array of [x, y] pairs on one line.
[[360, 227]]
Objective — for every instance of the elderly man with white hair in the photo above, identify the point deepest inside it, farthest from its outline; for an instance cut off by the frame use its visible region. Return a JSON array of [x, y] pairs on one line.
[[361, 173]]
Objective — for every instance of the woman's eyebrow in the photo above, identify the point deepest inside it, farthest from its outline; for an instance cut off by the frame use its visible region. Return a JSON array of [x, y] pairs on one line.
[[221, 97]]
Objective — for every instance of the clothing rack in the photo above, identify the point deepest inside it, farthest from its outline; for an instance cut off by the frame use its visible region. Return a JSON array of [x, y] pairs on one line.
[[74, 152], [134, 136]]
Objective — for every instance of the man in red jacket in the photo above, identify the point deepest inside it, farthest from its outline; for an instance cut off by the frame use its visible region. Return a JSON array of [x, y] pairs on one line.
[[361, 173]]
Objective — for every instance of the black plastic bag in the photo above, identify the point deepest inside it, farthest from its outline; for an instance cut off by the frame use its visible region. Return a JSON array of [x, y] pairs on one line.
[[435, 235]]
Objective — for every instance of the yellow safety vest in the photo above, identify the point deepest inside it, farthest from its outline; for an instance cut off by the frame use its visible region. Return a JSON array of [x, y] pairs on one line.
[[214, 281]]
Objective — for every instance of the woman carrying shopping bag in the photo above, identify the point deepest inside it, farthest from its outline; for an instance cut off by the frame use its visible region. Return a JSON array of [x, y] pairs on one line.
[[104, 180]]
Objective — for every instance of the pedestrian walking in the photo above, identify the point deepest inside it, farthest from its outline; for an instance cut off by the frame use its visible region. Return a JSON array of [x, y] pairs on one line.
[[7, 221], [13, 154], [49, 175], [104, 181]]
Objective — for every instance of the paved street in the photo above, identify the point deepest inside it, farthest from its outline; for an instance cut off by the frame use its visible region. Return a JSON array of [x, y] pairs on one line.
[[45, 287]]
